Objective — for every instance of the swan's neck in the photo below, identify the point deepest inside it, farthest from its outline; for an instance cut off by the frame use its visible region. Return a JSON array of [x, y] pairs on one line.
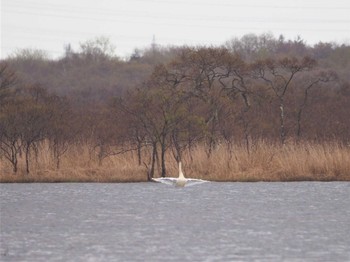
[[181, 175]]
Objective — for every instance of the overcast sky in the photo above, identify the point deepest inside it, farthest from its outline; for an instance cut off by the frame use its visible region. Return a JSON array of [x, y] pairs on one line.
[[130, 24]]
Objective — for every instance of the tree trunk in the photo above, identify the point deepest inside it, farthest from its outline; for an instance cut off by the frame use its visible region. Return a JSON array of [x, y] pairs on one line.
[[14, 164], [163, 159], [139, 153], [154, 153], [282, 127], [27, 157], [14, 160], [299, 124]]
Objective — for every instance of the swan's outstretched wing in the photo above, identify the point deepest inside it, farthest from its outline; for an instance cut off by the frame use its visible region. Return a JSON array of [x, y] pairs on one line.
[[192, 181], [174, 181], [166, 180]]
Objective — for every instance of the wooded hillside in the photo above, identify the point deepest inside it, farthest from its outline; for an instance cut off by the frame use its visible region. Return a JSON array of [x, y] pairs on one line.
[[168, 100]]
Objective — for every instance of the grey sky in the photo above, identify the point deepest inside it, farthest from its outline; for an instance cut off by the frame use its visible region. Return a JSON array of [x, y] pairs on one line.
[[50, 24]]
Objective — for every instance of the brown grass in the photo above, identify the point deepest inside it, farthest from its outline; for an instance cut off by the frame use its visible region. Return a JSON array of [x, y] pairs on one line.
[[267, 162], [264, 162]]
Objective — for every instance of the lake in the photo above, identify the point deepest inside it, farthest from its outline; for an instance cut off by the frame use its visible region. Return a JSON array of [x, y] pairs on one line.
[[295, 221]]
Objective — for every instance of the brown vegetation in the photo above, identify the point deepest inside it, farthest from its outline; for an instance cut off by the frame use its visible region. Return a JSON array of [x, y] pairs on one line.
[[265, 162], [90, 116]]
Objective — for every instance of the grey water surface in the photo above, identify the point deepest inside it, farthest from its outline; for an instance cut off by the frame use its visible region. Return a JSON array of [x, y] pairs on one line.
[[300, 221]]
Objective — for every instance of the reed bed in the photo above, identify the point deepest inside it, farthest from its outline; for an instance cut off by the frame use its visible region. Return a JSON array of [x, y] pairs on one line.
[[263, 162]]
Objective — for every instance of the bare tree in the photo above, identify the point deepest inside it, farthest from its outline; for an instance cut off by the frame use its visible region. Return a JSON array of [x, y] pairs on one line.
[[319, 78], [10, 143], [98, 49], [8, 80], [278, 75]]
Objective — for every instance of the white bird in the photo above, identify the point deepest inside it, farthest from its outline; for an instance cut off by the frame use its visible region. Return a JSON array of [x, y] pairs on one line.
[[180, 181]]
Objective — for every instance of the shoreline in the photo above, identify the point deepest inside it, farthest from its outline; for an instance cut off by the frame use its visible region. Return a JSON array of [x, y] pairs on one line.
[[23, 179], [265, 162]]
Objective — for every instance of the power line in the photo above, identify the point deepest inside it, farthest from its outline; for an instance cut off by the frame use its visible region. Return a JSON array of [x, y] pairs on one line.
[[213, 22], [217, 20], [200, 3]]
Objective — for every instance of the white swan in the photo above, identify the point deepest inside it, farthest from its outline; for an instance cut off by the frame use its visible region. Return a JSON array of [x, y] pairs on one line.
[[180, 181]]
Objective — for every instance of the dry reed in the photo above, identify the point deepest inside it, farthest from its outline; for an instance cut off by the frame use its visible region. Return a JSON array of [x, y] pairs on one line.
[[264, 162]]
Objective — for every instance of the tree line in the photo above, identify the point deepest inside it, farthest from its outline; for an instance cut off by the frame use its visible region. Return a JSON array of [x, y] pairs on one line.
[[168, 100]]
